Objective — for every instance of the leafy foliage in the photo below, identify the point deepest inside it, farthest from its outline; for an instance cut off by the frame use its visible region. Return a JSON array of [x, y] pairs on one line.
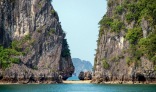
[[23, 45], [110, 2], [119, 9], [52, 31], [53, 11], [130, 17], [106, 22], [65, 49], [155, 67], [134, 35], [116, 26], [128, 60], [8, 56], [11, 54], [105, 64], [148, 47], [141, 8]]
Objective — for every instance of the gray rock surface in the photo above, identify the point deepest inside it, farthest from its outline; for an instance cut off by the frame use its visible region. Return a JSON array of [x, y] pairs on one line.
[[85, 75], [113, 48], [44, 60]]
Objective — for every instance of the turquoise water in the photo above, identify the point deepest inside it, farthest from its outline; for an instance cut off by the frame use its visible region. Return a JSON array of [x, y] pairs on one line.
[[73, 78], [77, 88]]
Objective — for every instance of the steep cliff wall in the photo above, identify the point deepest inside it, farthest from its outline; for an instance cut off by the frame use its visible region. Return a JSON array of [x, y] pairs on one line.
[[126, 44], [33, 44]]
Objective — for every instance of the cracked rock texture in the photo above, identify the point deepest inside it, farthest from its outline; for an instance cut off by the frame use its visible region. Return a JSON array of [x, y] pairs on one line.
[[46, 59], [113, 49]]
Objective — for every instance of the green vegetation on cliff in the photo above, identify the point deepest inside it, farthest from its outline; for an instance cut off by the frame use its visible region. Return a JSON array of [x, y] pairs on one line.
[[139, 10], [127, 16], [133, 35], [148, 47], [65, 50], [11, 54], [105, 64], [8, 56]]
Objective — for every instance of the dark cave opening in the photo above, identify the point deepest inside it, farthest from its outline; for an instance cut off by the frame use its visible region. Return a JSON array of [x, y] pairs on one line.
[[140, 77]]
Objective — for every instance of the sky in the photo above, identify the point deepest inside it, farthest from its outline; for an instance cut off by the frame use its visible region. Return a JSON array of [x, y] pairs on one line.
[[79, 20]]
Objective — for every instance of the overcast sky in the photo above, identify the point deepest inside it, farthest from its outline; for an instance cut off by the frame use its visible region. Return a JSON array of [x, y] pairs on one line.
[[79, 19]]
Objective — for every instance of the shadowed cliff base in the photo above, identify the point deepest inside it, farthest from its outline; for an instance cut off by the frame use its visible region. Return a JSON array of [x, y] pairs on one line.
[[121, 82]]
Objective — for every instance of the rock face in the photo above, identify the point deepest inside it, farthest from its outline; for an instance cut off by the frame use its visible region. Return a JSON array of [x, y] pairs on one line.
[[85, 75], [32, 28], [81, 65], [81, 76], [123, 52]]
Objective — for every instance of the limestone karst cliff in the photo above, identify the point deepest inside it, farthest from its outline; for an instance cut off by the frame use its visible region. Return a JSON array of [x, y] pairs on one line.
[[33, 45], [127, 40]]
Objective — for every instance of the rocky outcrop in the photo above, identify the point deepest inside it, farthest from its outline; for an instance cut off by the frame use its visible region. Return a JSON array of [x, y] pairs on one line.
[[123, 52], [85, 75], [81, 65], [32, 28]]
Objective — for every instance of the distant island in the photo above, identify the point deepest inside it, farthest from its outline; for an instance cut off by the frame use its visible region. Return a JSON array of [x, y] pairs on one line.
[[81, 65]]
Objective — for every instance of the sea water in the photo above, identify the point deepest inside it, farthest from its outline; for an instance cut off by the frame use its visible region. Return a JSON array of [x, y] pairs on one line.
[[74, 78], [78, 88]]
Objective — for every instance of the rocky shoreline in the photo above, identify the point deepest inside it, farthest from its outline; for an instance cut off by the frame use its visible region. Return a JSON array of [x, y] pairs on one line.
[[127, 82], [121, 82], [25, 82], [9, 83], [78, 82]]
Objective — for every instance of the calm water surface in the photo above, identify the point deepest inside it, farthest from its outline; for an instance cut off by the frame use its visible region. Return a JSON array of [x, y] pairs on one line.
[[77, 88], [73, 78]]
